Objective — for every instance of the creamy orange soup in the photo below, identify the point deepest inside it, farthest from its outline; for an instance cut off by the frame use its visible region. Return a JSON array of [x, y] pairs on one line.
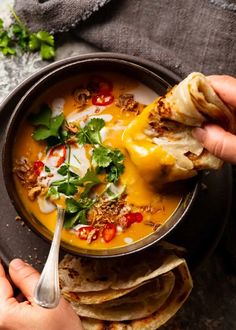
[[123, 208]]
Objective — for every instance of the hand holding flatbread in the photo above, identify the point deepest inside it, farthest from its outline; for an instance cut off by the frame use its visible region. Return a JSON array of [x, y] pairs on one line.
[[160, 141]]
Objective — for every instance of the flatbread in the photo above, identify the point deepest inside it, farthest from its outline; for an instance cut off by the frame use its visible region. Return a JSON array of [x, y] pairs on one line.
[[79, 274], [145, 301], [96, 297], [181, 291], [159, 140]]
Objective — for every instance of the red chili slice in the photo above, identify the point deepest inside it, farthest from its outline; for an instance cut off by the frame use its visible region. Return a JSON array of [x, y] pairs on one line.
[[59, 153], [100, 85], [38, 167], [138, 217], [102, 99], [109, 232], [133, 217], [83, 233]]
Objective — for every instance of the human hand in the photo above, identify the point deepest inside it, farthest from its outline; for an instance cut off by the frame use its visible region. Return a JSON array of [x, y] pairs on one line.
[[15, 315], [214, 138]]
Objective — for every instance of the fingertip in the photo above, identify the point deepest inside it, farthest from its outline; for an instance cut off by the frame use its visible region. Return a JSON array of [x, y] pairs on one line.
[[199, 134], [218, 142], [24, 276], [17, 264], [225, 87]]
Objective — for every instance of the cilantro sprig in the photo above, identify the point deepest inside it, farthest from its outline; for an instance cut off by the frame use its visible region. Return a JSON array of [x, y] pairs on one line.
[[109, 160], [104, 160], [90, 134], [103, 157], [76, 211], [18, 39], [47, 127]]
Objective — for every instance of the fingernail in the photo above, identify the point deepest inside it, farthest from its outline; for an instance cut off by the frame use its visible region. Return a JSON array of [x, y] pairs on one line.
[[199, 134], [17, 264]]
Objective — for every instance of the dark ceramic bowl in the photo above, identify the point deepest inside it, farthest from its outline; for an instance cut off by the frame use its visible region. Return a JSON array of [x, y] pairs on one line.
[[99, 62]]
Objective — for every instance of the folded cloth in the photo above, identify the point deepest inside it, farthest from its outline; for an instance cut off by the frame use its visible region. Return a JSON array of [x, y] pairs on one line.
[[184, 36], [56, 15]]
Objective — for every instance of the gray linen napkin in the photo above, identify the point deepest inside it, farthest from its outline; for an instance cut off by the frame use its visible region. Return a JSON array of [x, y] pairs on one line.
[[182, 35]]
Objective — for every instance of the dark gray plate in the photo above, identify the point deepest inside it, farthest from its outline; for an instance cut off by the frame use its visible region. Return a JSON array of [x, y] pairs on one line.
[[199, 233]]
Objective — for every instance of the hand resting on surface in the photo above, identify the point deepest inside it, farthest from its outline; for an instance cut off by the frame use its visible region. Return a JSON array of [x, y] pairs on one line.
[[22, 313]]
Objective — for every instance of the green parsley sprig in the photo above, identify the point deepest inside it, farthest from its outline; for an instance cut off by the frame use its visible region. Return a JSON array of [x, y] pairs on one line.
[[18, 39]]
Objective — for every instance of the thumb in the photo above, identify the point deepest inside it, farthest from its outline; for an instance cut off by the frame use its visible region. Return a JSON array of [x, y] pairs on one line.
[[24, 277], [217, 141]]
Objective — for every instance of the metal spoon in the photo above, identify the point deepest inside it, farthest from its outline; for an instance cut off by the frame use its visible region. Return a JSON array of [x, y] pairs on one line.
[[47, 291]]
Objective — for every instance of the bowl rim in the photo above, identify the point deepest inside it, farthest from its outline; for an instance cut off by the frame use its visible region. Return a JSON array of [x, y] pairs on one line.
[[98, 57]]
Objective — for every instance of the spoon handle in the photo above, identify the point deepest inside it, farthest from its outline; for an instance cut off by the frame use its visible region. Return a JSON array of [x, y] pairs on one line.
[[47, 291]]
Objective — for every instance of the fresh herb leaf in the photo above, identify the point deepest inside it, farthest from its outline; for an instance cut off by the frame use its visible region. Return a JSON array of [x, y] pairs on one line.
[[117, 156], [111, 160], [90, 134], [52, 193], [46, 125], [76, 211], [44, 42], [72, 206], [75, 180], [63, 170], [90, 176], [47, 169], [102, 156], [73, 220], [17, 37], [114, 172], [8, 51], [67, 188], [4, 41], [34, 43], [82, 217], [45, 37], [47, 52], [41, 133], [43, 117], [56, 123]]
